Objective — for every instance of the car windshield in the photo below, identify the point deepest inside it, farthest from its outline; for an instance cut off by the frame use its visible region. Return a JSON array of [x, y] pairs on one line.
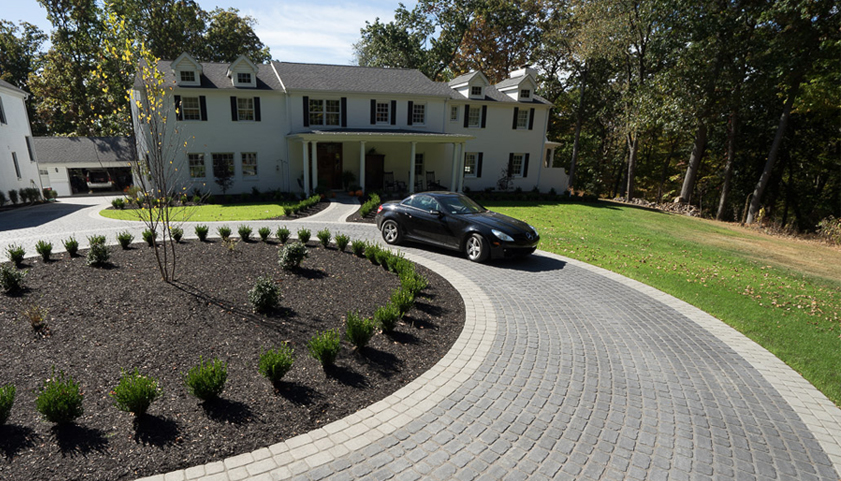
[[460, 205]]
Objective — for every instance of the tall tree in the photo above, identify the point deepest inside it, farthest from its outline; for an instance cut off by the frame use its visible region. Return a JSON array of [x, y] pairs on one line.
[[168, 27], [20, 47], [230, 35]]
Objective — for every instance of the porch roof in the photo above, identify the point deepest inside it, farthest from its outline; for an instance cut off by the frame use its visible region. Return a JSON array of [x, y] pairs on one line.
[[397, 135]]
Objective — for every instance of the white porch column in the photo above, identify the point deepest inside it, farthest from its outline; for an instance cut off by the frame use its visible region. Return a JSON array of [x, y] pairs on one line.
[[362, 164], [453, 176], [412, 169], [306, 167], [315, 163]]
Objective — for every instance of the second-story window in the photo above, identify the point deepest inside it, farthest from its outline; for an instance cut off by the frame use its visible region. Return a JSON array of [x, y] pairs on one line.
[[475, 118], [245, 109], [190, 108], [523, 119], [243, 78], [383, 113], [324, 112], [418, 114]]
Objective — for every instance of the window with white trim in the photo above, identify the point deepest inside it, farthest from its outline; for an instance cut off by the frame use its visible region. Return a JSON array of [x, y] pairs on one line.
[[523, 119], [476, 91], [475, 118], [516, 166], [245, 108], [197, 168], [470, 160], [243, 78], [525, 94], [188, 76], [418, 164], [325, 112], [17, 167], [418, 114], [382, 113], [249, 164], [190, 108], [454, 113], [222, 162]]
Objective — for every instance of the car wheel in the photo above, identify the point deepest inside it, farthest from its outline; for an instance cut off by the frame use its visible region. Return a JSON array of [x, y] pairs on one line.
[[476, 248], [391, 232]]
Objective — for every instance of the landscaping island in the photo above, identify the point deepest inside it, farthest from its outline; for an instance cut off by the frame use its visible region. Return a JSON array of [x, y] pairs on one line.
[[102, 320]]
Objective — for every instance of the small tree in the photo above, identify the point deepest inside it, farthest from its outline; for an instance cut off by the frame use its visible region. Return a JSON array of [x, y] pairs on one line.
[[223, 172], [158, 142]]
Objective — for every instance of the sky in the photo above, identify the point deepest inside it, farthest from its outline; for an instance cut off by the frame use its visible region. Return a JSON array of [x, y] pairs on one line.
[[312, 31]]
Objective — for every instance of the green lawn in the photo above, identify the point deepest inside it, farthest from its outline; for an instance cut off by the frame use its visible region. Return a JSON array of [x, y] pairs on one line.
[[211, 212], [784, 294]]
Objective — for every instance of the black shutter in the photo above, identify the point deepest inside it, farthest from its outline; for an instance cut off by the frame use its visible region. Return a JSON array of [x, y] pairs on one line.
[[510, 164], [393, 112], [531, 119], [516, 113], [306, 111], [466, 115], [373, 111], [256, 109], [526, 166], [479, 165], [484, 115], [203, 106], [178, 114], [344, 111], [409, 114], [29, 148], [234, 115]]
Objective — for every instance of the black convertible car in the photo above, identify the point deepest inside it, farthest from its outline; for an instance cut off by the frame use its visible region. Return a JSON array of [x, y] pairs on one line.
[[454, 221]]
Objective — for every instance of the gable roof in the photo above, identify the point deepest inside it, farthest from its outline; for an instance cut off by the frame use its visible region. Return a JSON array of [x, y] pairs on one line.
[[11, 87], [50, 150], [465, 78], [351, 78]]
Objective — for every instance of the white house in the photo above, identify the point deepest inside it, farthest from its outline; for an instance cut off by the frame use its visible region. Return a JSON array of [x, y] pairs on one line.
[[66, 163], [295, 126], [18, 167]]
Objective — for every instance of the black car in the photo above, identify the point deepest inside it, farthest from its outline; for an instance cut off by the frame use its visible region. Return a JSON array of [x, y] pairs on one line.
[[454, 221]]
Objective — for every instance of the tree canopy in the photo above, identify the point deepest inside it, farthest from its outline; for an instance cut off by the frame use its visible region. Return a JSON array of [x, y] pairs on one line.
[[731, 106]]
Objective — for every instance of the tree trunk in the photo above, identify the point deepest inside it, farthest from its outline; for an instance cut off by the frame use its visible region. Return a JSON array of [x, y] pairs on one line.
[[633, 147], [728, 166], [756, 199], [579, 119], [665, 171], [695, 157]]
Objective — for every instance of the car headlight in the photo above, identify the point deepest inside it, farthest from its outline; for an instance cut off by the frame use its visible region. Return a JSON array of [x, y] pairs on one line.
[[502, 235], [535, 230]]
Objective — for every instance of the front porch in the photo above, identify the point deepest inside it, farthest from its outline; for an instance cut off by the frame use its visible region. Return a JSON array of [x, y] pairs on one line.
[[381, 160]]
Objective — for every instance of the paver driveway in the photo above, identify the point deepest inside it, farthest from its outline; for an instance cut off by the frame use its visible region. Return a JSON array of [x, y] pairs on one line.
[[566, 371]]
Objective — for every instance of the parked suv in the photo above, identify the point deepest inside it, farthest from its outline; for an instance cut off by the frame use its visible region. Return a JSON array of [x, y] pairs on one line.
[[99, 179]]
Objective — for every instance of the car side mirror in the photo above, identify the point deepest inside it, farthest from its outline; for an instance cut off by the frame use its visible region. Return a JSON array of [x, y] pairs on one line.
[[436, 213]]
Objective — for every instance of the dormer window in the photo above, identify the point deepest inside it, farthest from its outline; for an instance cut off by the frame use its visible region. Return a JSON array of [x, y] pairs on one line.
[[525, 94], [244, 78], [188, 76], [476, 91]]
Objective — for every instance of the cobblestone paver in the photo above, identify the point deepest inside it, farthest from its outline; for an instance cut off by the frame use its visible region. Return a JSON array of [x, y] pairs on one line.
[[566, 371]]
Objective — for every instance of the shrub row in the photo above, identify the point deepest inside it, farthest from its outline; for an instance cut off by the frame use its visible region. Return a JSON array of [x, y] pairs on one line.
[[289, 211], [369, 205], [25, 195]]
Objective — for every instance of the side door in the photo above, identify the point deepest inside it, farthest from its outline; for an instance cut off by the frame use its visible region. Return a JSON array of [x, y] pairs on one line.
[[420, 223]]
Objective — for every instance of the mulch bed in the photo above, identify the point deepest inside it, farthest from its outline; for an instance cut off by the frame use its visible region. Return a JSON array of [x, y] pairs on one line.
[[369, 219], [124, 316]]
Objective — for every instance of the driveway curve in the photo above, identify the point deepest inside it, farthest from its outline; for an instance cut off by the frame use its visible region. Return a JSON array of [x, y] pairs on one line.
[[563, 371]]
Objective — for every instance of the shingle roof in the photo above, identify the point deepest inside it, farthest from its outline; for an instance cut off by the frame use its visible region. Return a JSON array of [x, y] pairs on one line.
[[349, 78], [463, 78], [9, 86], [509, 82], [214, 76], [51, 150]]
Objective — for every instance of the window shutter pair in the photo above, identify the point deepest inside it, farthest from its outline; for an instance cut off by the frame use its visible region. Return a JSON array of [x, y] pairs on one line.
[[392, 114], [202, 105], [343, 113], [235, 110], [517, 113], [511, 165], [467, 115]]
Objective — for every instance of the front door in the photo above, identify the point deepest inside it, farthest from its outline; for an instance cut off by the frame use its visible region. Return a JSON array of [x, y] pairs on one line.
[[330, 165]]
